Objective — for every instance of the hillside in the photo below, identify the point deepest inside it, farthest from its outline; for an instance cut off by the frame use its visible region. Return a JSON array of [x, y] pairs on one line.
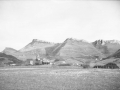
[[76, 49], [8, 59], [30, 51], [37, 44], [9, 50], [13, 52], [115, 55], [50, 50], [107, 47]]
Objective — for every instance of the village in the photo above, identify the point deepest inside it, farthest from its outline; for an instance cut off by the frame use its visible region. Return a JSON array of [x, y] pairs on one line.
[[38, 61]]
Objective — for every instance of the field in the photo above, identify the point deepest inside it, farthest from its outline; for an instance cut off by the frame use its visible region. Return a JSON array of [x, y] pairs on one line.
[[41, 78]]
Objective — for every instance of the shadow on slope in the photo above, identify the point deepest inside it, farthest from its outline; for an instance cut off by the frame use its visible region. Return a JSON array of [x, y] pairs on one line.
[[9, 58]]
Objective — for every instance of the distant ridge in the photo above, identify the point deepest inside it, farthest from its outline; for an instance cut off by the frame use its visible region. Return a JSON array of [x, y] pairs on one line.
[[9, 51], [35, 44], [102, 42], [39, 41], [69, 49]]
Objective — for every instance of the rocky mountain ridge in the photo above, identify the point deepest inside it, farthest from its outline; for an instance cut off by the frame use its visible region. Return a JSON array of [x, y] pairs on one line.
[[35, 44], [102, 42], [69, 49], [107, 47]]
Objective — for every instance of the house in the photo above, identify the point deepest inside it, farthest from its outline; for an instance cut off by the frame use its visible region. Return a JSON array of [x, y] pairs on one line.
[[45, 61], [38, 61], [30, 62]]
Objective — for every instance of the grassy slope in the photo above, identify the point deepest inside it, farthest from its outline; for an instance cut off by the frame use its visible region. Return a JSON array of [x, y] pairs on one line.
[[74, 51], [30, 50], [115, 58], [113, 48], [78, 49], [50, 50], [10, 58]]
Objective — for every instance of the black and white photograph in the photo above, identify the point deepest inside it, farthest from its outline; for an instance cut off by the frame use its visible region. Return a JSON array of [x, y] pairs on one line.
[[59, 45]]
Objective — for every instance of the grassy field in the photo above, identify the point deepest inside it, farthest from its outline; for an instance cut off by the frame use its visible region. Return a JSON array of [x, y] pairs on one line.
[[37, 78]]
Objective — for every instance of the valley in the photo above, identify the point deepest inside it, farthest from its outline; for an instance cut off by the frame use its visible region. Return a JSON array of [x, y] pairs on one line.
[[71, 52]]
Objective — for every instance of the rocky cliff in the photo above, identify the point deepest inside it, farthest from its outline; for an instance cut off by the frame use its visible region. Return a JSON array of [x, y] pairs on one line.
[[107, 47]]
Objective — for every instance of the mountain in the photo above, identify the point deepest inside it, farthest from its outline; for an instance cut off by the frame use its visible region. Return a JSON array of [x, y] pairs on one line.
[[107, 47], [36, 47], [75, 49], [70, 50], [37, 44], [31, 50], [111, 48]]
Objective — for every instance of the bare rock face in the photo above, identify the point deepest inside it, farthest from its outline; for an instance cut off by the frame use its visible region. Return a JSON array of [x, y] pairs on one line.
[[107, 47], [76, 49]]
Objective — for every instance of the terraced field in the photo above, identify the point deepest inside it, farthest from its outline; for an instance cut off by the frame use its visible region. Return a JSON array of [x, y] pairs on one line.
[[37, 78]]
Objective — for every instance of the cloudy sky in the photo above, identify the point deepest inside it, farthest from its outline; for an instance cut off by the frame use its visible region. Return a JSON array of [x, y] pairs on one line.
[[54, 21]]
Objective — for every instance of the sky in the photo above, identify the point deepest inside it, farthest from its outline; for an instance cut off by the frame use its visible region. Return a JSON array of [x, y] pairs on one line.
[[55, 20]]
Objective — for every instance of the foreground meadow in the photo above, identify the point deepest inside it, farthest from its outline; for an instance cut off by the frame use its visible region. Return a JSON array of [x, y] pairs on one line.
[[36, 78]]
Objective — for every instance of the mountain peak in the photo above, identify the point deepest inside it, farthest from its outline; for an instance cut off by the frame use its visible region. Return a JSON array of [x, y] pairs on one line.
[[74, 40], [40, 41], [35, 40], [36, 44], [8, 48]]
